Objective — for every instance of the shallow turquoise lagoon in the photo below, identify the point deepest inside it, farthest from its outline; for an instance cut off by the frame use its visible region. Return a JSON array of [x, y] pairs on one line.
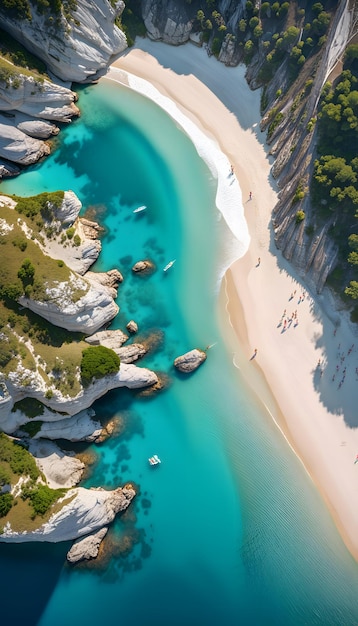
[[229, 529]]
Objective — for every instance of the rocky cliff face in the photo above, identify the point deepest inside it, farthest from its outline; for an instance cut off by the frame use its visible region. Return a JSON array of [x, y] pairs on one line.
[[74, 47], [24, 383], [170, 22], [87, 511], [293, 147], [28, 110]]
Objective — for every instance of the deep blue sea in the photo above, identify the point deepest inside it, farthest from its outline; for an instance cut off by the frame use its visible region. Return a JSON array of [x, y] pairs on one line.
[[229, 529]]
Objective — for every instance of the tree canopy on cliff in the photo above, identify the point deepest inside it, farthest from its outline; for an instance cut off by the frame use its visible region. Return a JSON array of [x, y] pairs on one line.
[[97, 362], [334, 186]]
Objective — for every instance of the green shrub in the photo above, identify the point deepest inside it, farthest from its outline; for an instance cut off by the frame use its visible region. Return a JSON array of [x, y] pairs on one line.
[[70, 232], [77, 240], [5, 476], [32, 428], [97, 362], [26, 272], [6, 502], [300, 216], [41, 498], [18, 458]]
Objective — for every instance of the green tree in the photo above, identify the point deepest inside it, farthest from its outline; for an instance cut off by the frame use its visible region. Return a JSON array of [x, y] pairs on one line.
[[98, 361], [6, 502], [352, 290], [26, 272]]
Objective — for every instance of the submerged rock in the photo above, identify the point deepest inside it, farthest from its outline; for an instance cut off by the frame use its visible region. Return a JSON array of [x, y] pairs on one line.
[[190, 361]]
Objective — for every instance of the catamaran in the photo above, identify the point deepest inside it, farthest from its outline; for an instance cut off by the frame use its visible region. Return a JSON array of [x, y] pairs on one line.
[[169, 265]]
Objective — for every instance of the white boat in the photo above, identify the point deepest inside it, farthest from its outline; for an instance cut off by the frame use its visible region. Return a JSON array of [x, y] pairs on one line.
[[140, 208], [169, 265], [154, 460]]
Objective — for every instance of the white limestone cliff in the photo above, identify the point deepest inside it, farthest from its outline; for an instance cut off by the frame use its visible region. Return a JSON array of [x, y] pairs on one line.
[[29, 384], [87, 314], [74, 49], [18, 147], [79, 427], [86, 548], [61, 469], [86, 511], [38, 99]]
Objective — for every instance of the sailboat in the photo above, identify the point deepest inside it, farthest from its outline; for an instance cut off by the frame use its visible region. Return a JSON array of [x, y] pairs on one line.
[[169, 265]]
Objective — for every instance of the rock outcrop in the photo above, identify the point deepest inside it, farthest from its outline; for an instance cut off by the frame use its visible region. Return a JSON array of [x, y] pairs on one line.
[[190, 361], [145, 266], [112, 339], [79, 427], [74, 47], [87, 314], [171, 23], [18, 147], [132, 327], [39, 99], [86, 548], [61, 469], [28, 384], [84, 511]]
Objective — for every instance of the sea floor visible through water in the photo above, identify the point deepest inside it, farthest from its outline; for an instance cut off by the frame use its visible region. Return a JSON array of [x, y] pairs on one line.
[[228, 528]]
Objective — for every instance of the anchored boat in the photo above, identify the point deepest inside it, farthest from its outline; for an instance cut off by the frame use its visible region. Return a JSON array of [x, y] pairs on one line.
[[154, 460], [169, 265]]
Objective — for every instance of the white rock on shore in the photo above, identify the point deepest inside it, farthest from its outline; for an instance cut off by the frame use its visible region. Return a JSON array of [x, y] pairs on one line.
[[19, 148], [190, 361], [87, 511], [44, 100], [74, 49], [86, 548], [87, 314], [79, 427], [61, 469], [14, 389]]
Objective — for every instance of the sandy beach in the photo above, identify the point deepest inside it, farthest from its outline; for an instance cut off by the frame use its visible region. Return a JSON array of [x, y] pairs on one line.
[[292, 348]]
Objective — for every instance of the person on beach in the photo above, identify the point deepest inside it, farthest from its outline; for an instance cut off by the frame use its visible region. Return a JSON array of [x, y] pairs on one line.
[[258, 261], [232, 170], [250, 195]]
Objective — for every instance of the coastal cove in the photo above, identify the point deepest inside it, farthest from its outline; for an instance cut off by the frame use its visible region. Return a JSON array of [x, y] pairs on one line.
[[230, 528]]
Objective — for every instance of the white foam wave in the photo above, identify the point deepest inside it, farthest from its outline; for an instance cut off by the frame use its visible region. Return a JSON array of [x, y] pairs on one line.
[[228, 195]]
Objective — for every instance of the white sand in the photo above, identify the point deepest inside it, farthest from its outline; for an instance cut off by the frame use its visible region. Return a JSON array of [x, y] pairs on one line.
[[318, 417]]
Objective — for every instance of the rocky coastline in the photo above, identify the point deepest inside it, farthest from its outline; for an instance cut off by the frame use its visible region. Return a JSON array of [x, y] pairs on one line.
[[32, 110], [83, 512]]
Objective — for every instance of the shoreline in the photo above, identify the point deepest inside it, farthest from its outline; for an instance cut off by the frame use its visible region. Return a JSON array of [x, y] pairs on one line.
[[294, 371]]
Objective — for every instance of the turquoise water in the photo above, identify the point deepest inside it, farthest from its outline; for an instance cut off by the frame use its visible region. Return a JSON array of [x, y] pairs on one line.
[[229, 529]]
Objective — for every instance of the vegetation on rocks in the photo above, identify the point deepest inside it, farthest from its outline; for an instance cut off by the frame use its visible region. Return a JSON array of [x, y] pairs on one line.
[[33, 497], [97, 362], [15, 59], [334, 186], [23, 9]]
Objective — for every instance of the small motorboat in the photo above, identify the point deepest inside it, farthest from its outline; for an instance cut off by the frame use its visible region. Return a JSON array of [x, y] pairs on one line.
[[169, 265], [154, 460], [140, 208]]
